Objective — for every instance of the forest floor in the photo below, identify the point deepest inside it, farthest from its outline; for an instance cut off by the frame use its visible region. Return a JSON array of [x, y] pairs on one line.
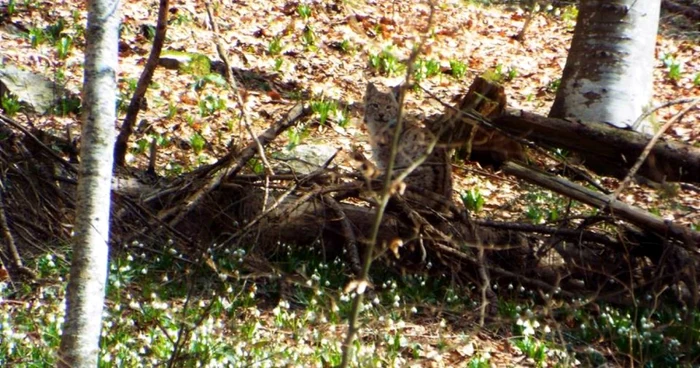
[[325, 52]]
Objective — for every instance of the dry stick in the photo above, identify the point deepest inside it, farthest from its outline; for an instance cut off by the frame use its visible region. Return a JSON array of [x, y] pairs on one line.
[[138, 207], [383, 202], [232, 84], [244, 115], [70, 168], [228, 167], [280, 200], [530, 15], [184, 332], [634, 215], [690, 11], [152, 157], [537, 283], [132, 112], [11, 246], [661, 106], [568, 233], [348, 234], [650, 145], [267, 211]]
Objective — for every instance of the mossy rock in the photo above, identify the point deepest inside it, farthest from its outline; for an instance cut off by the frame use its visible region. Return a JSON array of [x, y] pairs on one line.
[[186, 62]]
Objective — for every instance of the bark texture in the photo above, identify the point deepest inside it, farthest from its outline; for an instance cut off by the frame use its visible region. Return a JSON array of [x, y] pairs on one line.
[[608, 73], [86, 287]]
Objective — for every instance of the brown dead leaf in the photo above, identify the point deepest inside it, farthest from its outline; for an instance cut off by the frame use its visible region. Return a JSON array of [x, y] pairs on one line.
[[394, 247], [188, 99], [449, 32], [517, 16], [387, 21], [274, 95]]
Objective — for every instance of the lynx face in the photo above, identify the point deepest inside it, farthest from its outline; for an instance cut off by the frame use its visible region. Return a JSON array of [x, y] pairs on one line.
[[381, 114], [381, 111]]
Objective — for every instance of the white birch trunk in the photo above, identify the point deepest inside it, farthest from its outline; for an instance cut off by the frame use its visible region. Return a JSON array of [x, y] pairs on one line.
[[88, 274], [609, 71]]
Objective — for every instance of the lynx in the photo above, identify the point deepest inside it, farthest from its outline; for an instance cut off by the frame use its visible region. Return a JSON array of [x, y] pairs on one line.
[[381, 114]]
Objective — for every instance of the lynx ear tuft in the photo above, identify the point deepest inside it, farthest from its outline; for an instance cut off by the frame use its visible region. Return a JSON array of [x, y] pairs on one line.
[[396, 91], [371, 88]]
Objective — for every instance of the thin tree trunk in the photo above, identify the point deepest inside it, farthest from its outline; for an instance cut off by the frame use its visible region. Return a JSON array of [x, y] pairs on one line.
[[88, 275], [132, 112], [609, 71]]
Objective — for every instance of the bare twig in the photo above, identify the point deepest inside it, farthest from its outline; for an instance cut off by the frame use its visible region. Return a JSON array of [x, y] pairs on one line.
[[184, 332], [661, 106], [241, 105], [386, 192], [530, 15], [632, 214], [265, 212], [11, 246], [236, 91], [70, 168], [230, 165], [348, 233], [572, 234], [651, 144]]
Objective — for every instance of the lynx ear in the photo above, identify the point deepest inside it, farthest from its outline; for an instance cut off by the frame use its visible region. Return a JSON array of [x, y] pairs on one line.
[[396, 91], [371, 89]]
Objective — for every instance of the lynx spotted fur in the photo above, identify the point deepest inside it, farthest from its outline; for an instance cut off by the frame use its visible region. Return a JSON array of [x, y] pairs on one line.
[[381, 114]]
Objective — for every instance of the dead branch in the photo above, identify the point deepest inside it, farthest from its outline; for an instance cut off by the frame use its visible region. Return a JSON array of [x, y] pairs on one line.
[[608, 150], [688, 11], [15, 259], [348, 234], [234, 87], [228, 166], [649, 146], [575, 235], [70, 168], [127, 128], [632, 214]]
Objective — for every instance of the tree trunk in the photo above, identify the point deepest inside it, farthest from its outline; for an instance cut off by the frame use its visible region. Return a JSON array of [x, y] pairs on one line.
[[609, 71], [146, 77], [88, 275]]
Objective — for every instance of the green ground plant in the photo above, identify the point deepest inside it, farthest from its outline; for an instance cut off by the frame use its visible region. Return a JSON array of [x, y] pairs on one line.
[[674, 67], [426, 68], [386, 63], [156, 301], [304, 11], [197, 142], [308, 37], [458, 69], [11, 105], [275, 46], [324, 109], [473, 200], [11, 8], [210, 104], [63, 47], [36, 36]]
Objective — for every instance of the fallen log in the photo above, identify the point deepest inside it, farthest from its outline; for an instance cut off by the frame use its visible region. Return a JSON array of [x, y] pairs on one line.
[[605, 149]]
